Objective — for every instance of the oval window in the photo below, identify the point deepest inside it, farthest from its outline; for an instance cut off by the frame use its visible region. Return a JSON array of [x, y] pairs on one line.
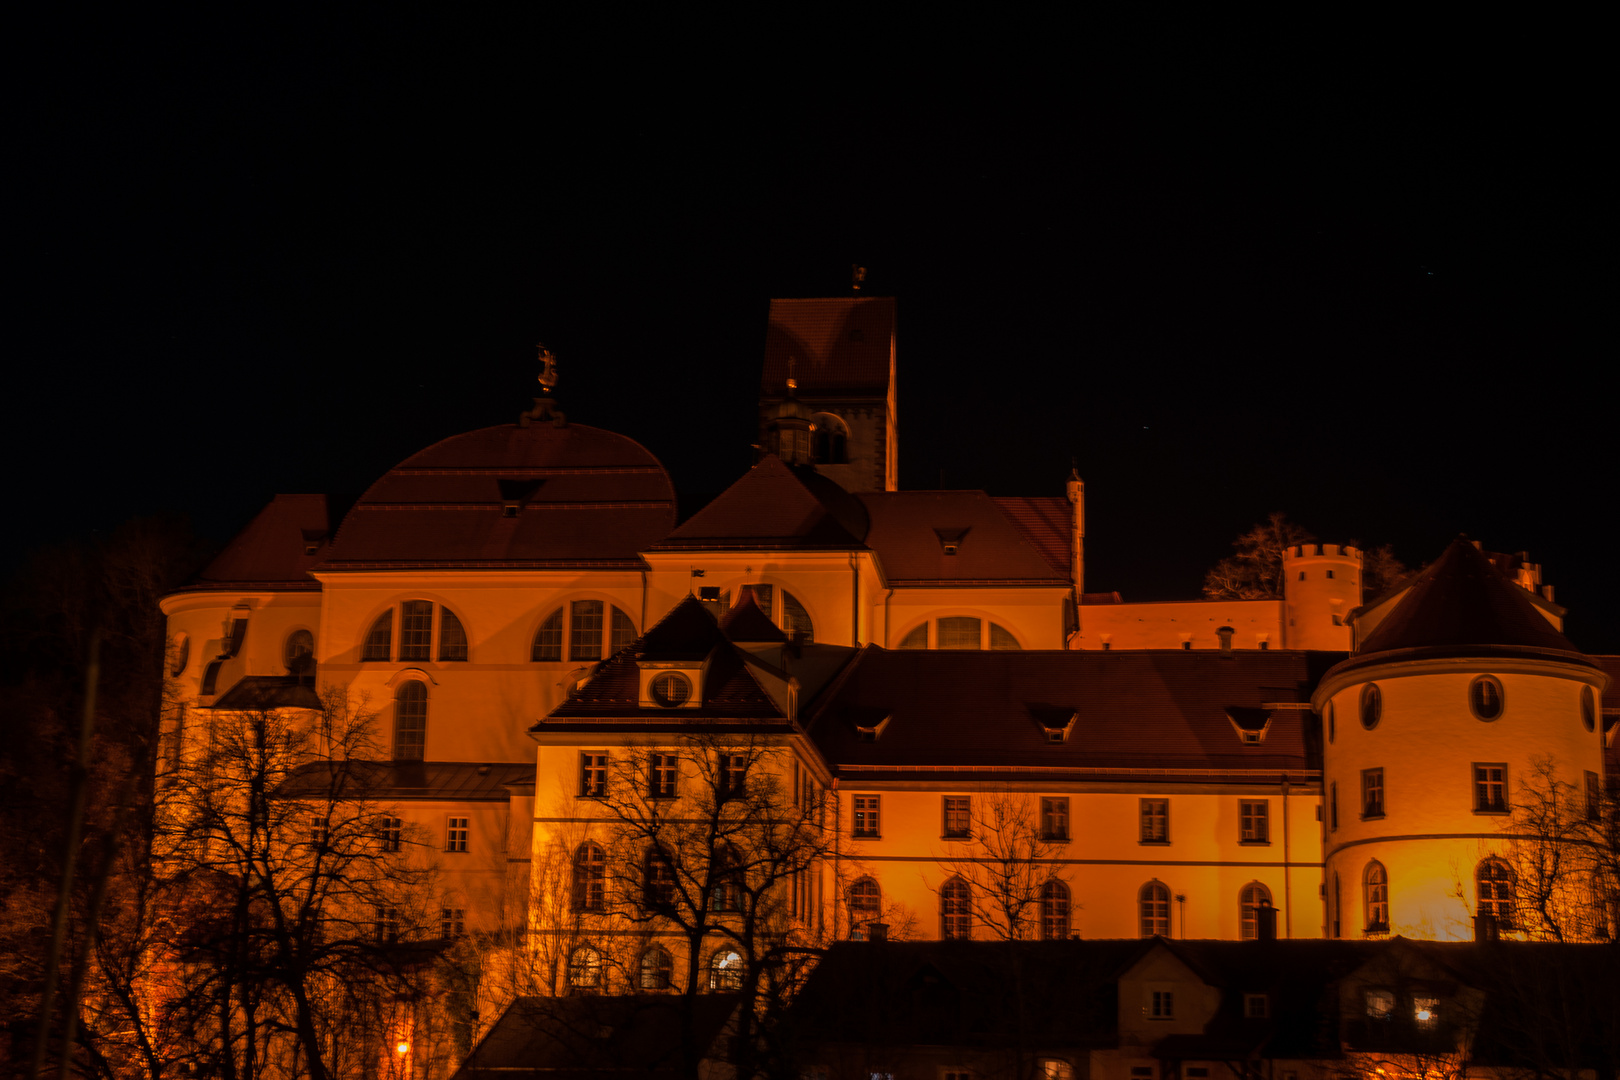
[[182, 657], [1588, 708], [1332, 724], [670, 689], [1485, 697], [1372, 705]]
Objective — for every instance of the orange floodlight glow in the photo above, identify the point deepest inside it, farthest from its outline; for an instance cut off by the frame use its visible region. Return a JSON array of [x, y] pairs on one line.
[[402, 1048]]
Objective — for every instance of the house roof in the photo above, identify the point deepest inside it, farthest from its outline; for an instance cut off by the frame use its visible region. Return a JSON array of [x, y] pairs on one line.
[[267, 692], [1161, 712], [746, 622], [1047, 521], [993, 544], [449, 781], [1463, 606], [272, 552], [774, 506], [838, 347], [634, 1037], [511, 497]]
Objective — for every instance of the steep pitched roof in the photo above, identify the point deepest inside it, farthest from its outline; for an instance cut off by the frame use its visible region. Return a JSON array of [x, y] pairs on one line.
[[273, 552], [746, 622], [1160, 712], [992, 546], [838, 347], [267, 692], [1047, 521], [1463, 605], [511, 497], [774, 506]]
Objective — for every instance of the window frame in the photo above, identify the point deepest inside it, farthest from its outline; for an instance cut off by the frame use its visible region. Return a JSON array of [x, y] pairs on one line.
[[1057, 910], [955, 909], [593, 766], [866, 817], [1254, 822], [858, 912], [726, 977], [956, 817], [1501, 907], [1157, 834], [1373, 780], [1053, 808], [457, 837], [1374, 904], [616, 625], [1370, 706], [1478, 708], [664, 970], [413, 647], [663, 775], [1483, 786], [1153, 892], [1249, 910], [402, 748], [588, 887], [584, 957], [377, 646]]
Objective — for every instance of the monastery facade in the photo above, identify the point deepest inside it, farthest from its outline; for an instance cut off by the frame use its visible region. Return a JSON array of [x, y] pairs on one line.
[[524, 607]]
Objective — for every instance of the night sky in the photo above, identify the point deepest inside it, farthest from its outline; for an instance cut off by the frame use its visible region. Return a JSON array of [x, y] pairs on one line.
[[1225, 273]]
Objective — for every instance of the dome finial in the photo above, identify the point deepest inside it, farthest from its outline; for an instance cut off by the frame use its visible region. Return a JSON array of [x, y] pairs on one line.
[[545, 406]]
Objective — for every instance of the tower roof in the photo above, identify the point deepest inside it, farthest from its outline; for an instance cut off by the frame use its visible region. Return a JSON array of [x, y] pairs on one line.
[[840, 346], [1463, 605]]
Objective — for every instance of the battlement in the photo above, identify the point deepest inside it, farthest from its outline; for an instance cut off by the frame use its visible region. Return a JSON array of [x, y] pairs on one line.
[[1319, 551]]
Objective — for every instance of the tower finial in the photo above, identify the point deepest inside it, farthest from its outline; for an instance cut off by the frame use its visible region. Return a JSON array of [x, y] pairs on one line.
[[792, 383], [548, 368], [545, 406], [857, 277]]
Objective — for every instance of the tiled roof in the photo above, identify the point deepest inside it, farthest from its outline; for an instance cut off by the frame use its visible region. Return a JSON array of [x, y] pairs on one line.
[[578, 497], [270, 553], [992, 546], [1136, 711], [613, 692], [267, 692], [838, 346], [774, 506], [746, 622], [628, 1037], [1101, 598], [1462, 605], [1047, 521], [450, 781]]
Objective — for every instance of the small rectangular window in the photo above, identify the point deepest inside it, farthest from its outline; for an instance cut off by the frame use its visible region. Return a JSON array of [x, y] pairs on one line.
[[1490, 787], [1256, 1006], [729, 779], [958, 816], [866, 815], [1055, 818], [388, 924], [456, 833], [592, 775], [452, 923], [391, 829], [1155, 821], [318, 832], [1256, 815], [1372, 793], [1330, 578], [1163, 1005], [663, 769], [415, 630]]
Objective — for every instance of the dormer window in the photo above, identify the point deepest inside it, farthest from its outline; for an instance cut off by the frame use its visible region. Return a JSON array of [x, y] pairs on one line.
[[950, 540], [671, 689], [872, 731]]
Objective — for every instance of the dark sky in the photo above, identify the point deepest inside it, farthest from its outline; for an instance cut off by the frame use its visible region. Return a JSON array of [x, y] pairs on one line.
[[1226, 272]]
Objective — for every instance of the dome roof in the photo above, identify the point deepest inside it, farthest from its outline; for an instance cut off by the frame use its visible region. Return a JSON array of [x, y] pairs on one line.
[[538, 496]]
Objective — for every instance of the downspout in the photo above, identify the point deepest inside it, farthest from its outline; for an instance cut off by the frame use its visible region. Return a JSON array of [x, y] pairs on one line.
[[1288, 871], [854, 601]]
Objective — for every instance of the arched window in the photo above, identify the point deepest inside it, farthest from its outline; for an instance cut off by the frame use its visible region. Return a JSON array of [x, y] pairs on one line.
[[726, 970], [410, 721], [916, 639], [1495, 881], [624, 632], [1249, 908], [380, 639], [299, 652], [585, 630], [831, 439], [958, 632], [1154, 903], [1375, 897], [1053, 1069], [1055, 908], [416, 630], [590, 893], [796, 620], [865, 905], [1001, 638], [955, 910], [585, 970], [659, 878], [1372, 706], [548, 641], [655, 969], [1485, 697], [452, 637], [728, 871]]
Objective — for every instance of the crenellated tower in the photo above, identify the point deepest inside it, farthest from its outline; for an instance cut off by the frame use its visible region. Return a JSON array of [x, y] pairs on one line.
[[1321, 586]]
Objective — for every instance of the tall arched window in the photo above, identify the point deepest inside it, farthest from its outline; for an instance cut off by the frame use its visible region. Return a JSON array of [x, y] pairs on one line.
[[1375, 897], [1055, 908], [548, 640], [659, 878], [624, 631], [831, 439], [1249, 908], [410, 721], [1001, 638], [452, 636], [726, 970], [585, 632], [727, 870], [865, 905], [655, 969], [1494, 879], [299, 652], [958, 632], [416, 630], [590, 893], [1154, 903], [380, 638], [585, 970], [796, 620], [955, 910], [916, 639]]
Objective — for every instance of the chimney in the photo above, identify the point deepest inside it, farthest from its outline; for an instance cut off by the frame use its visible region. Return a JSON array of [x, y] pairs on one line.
[[1265, 921], [876, 931]]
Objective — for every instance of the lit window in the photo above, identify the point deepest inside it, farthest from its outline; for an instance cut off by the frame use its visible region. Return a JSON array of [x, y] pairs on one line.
[[1490, 788], [726, 970], [456, 832], [592, 775], [916, 639], [955, 910], [1372, 706], [1426, 1011], [671, 689], [585, 969], [415, 630], [1256, 817], [410, 721], [655, 969], [1054, 1069], [1256, 1006], [380, 640], [452, 636], [548, 640], [1375, 897], [1154, 902], [1485, 697], [662, 771], [865, 904], [1251, 899], [1372, 793], [585, 630], [1155, 821], [590, 873], [866, 815], [958, 816], [1055, 819], [1055, 910], [959, 632]]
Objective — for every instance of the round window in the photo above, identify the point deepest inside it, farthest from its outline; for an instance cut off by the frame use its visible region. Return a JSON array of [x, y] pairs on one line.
[[670, 689], [1485, 697], [1332, 724], [1372, 705], [1588, 708], [182, 656]]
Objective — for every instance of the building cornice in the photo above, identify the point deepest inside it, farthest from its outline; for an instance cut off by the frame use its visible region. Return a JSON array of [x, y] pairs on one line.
[[1399, 664]]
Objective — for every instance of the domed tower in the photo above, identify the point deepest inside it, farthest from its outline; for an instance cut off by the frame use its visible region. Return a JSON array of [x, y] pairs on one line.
[[1321, 586], [1450, 703]]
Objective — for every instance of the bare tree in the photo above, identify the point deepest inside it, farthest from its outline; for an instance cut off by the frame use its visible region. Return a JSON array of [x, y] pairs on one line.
[[1255, 572], [1006, 861], [1562, 848]]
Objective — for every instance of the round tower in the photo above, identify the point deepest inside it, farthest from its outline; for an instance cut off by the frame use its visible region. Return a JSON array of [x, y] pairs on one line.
[[1321, 586], [1461, 696]]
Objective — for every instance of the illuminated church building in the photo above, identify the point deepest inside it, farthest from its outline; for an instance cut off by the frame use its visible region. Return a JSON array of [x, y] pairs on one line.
[[523, 601]]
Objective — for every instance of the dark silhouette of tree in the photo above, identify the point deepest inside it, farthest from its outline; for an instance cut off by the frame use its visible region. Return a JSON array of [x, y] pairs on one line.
[[1255, 572]]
